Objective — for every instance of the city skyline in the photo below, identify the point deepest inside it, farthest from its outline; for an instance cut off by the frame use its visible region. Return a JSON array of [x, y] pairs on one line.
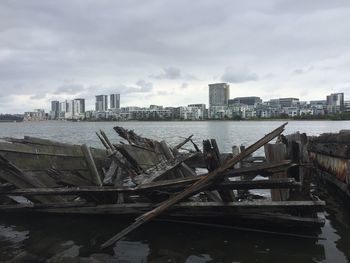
[[167, 51]]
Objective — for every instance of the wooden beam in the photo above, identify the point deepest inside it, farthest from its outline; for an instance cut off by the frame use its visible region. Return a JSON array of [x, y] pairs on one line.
[[184, 142], [92, 166]]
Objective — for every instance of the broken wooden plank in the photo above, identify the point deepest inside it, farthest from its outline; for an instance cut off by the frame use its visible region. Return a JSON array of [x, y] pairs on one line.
[[188, 209], [196, 186], [161, 170], [95, 176], [184, 142], [289, 183], [276, 153], [104, 135], [12, 174]]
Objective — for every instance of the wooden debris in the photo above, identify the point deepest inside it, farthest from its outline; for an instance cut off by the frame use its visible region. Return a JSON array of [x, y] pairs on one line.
[[196, 186]]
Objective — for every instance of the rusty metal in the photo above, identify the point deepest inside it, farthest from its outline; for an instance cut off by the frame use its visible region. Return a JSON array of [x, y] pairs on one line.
[[337, 167]]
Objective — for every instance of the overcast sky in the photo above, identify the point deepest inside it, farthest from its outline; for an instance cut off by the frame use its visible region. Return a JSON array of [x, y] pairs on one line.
[[166, 52]]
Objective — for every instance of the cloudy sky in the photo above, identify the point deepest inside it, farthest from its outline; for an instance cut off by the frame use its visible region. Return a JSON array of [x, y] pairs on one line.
[[166, 52]]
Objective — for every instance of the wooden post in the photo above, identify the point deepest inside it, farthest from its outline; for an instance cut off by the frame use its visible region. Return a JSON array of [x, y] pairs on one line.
[[276, 153], [92, 166]]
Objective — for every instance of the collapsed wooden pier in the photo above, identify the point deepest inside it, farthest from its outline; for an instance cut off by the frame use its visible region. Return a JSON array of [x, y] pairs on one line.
[[147, 178]]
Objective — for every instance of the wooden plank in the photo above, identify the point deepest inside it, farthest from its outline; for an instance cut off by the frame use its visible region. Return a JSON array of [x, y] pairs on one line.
[[66, 151], [33, 162], [95, 176], [104, 135], [184, 142], [161, 170], [12, 174], [247, 184], [196, 209], [276, 153], [216, 174]]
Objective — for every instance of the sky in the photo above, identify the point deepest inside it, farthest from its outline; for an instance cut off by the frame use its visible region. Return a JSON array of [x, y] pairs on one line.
[[167, 52]]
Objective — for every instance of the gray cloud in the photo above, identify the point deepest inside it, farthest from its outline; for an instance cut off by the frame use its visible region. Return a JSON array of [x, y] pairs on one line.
[[238, 76], [172, 73], [69, 88], [303, 71], [113, 44], [169, 73]]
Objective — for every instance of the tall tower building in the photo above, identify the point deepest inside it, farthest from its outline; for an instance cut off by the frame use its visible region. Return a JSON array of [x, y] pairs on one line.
[[79, 106], [335, 103], [219, 94], [114, 101], [55, 110], [101, 103]]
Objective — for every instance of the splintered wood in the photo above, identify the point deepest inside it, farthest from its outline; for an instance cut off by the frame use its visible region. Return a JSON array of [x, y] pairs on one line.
[[147, 178]]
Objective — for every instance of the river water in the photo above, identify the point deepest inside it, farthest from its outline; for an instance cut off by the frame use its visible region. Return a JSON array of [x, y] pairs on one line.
[[76, 238]]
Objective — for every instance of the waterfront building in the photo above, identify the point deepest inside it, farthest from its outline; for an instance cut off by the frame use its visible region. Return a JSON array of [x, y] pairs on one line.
[[245, 100], [219, 94], [114, 101], [284, 102], [335, 103], [199, 111], [101, 103], [35, 115], [78, 109], [69, 109], [55, 110], [347, 106], [318, 107], [63, 109]]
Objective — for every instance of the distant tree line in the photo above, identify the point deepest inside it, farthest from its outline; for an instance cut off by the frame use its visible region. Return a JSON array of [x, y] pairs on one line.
[[11, 117]]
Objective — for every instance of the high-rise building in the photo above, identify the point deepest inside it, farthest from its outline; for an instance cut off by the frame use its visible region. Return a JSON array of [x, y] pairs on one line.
[[79, 107], [219, 94], [114, 102], [69, 109], [55, 110], [335, 103], [101, 103]]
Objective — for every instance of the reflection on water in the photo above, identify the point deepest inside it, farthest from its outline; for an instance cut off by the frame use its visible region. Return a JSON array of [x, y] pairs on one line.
[[59, 237], [42, 237]]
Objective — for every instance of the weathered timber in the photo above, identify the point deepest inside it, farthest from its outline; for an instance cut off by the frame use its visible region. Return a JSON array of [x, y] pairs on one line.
[[257, 184], [276, 153], [211, 155], [341, 150], [110, 175], [104, 135], [68, 178], [12, 174], [189, 209], [118, 182], [95, 176], [48, 150], [343, 137], [140, 158], [103, 141], [299, 220], [196, 186], [133, 138], [184, 142], [161, 170]]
